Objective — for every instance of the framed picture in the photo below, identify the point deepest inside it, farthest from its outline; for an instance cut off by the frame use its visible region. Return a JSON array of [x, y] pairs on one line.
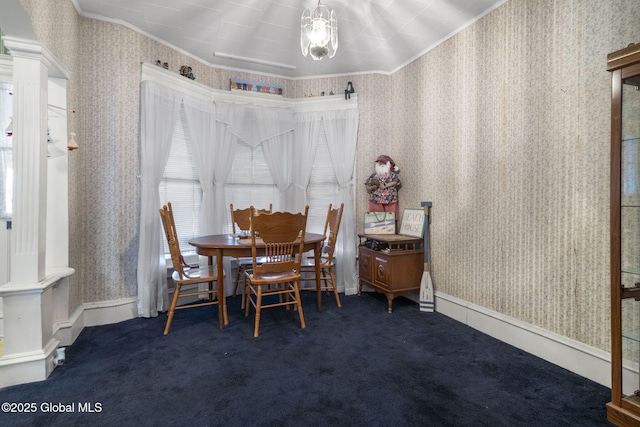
[[251, 86], [412, 224]]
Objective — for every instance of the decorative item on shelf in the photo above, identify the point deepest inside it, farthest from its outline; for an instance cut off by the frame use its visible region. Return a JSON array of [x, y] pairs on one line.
[[349, 90], [186, 71], [9, 130], [73, 144], [379, 223], [165, 65], [319, 32], [382, 187], [412, 224], [251, 86], [159, 63]]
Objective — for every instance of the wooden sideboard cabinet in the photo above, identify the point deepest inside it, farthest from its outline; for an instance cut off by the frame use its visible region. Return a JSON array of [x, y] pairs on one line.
[[395, 270]]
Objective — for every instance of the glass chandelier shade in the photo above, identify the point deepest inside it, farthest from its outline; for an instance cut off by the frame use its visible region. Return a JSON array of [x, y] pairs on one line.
[[319, 33]]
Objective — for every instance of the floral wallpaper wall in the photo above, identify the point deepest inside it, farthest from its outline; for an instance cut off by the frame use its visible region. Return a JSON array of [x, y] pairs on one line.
[[504, 127]]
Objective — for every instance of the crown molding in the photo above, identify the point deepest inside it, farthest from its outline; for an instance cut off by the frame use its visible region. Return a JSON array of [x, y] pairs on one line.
[[187, 86], [29, 49]]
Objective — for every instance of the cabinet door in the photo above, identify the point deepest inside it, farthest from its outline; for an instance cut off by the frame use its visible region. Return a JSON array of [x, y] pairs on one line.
[[630, 225], [364, 264], [624, 408], [382, 271]]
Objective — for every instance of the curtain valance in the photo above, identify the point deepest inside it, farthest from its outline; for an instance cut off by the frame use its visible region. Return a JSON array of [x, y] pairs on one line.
[[254, 124]]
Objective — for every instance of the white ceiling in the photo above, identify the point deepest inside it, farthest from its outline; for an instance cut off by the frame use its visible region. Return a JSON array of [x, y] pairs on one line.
[[373, 35]]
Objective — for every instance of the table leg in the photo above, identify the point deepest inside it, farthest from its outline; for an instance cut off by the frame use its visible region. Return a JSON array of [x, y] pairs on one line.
[[317, 254], [223, 319]]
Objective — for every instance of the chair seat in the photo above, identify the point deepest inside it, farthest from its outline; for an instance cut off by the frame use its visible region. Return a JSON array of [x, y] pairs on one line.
[[197, 275], [284, 276]]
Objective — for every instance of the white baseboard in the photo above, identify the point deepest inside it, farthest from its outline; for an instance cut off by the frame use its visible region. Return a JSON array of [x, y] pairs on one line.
[[95, 314], [34, 366], [28, 367], [102, 313], [577, 357]]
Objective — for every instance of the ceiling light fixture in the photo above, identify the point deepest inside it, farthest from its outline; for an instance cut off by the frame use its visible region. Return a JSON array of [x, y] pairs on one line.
[[319, 32]]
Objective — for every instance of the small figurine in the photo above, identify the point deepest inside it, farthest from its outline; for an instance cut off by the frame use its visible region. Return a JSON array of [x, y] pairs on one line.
[[187, 72], [349, 90]]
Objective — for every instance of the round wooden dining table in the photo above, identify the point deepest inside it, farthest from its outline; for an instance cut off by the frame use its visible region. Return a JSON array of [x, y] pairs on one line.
[[222, 245]]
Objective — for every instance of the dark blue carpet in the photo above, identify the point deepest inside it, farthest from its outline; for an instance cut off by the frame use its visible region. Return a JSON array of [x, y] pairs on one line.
[[352, 366]]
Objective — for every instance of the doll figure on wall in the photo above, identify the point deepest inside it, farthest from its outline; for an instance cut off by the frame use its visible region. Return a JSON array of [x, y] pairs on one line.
[[383, 186]]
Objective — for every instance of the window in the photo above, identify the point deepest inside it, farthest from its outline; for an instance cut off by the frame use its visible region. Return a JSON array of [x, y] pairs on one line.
[[323, 187], [250, 182], [180, 186]]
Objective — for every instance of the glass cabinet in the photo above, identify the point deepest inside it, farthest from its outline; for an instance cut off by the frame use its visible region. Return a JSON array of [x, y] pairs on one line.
[[624, 65]]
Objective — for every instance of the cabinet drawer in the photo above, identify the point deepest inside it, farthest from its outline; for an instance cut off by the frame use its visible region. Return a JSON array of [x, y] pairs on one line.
[[365, 264]]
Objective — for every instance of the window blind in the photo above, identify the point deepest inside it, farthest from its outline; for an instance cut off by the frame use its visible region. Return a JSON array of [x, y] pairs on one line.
[[181, 187], [250, 182]]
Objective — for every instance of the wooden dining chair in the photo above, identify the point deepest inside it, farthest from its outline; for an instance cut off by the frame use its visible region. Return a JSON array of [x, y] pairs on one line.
[[241, 224], [281, 238], [186, 274], [327, 275]]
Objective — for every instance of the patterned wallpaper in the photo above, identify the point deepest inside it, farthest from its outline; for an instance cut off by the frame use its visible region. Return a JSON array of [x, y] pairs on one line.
[[504, 127]]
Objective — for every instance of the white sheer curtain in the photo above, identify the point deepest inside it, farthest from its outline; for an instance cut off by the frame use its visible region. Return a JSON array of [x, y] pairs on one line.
[[226, 142], [306, 132], [277, 153], [158, 116], [214, 148], [209, 155], [341, 130]]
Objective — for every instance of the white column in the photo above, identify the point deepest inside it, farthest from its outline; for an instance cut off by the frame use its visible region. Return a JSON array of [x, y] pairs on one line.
[[30, 74], [29, 299]]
